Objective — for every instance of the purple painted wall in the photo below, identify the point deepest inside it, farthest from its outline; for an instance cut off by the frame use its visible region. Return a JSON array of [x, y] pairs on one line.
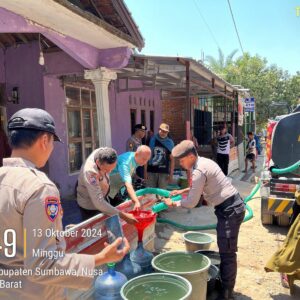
[[60, 63], [40, 87], [120, 111], [87, 55], [56, 64], [2, 73], [20, 69], [58, 162]]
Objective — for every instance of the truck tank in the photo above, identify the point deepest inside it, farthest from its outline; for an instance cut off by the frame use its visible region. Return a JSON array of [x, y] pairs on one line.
[[286, 141]]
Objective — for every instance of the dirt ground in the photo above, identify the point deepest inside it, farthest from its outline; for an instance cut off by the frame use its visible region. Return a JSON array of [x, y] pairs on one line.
[[256, 245]]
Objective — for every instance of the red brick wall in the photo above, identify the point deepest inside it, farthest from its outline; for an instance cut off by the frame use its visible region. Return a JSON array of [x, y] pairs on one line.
[[173, 113]]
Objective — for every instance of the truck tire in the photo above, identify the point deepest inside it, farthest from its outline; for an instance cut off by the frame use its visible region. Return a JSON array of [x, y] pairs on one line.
[[283, 220], [266, 219]]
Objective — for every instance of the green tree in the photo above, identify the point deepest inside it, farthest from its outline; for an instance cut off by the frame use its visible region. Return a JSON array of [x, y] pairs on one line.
[[267, 83], [220, 65]]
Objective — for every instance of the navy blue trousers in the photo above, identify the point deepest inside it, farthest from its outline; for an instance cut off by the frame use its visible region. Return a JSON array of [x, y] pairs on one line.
[[230, 215]]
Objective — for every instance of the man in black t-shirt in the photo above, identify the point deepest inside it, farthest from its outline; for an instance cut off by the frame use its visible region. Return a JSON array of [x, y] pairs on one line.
[[161, 165]]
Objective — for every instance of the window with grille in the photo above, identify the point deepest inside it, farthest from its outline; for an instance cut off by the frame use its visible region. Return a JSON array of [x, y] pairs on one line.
[[82, 125], [132, 119], [152, 120]]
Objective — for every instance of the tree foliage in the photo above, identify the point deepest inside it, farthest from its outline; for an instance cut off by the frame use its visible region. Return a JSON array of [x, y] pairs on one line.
[[267, 83], [221, 64]]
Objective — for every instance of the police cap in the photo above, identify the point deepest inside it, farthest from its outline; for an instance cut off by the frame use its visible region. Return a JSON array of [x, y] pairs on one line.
[[183, 149], [35, 119], [140, 127]]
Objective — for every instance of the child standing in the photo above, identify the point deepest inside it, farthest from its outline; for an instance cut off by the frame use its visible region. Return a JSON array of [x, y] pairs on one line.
[[250, 151]]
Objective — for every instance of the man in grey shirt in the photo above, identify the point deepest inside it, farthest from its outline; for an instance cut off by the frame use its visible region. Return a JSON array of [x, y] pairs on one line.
[[209, 180]]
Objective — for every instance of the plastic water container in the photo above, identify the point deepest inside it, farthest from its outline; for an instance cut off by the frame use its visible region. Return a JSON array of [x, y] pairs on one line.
[[128, 267], [143, 258], [197, 241], [108, 285], [157, 286], [192, 266]]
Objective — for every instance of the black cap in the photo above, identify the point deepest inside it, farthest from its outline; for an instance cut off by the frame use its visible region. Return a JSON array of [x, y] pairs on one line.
[[35, 119], [183, 149], [140, 127]]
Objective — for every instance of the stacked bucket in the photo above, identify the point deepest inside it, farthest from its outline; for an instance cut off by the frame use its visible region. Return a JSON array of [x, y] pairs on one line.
[[181, 275]]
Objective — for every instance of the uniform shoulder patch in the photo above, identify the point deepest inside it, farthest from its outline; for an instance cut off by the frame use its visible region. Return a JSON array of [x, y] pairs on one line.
[[92, 178], [52, 207]]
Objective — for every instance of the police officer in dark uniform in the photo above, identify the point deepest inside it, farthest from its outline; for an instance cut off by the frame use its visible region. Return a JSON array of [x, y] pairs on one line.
[[133, 143], [209, 180], [136, 139]]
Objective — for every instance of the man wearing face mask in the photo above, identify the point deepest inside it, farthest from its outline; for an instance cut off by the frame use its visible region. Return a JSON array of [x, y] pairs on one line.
[[94, 185]]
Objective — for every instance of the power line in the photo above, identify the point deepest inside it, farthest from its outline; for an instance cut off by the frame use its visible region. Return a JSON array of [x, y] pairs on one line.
[[199, 11], [236, 30]]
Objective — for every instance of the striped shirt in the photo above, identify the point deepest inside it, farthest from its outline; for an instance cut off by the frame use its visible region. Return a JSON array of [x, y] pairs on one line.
[[224, 143]]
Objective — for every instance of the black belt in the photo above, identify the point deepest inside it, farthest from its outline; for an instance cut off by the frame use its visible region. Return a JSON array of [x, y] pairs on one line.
[[229, 201]]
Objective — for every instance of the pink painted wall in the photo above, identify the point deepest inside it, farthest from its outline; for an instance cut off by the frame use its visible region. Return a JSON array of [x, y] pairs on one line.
[[20, 68]]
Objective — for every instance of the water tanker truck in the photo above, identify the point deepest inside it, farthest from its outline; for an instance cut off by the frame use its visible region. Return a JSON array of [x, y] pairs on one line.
[[280, 180]]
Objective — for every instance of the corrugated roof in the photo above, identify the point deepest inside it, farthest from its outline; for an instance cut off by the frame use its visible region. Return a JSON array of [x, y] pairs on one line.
[[114, 13], [169, 74]]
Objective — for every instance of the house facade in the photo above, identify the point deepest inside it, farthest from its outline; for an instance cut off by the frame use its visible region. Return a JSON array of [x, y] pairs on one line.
[[58, 57]]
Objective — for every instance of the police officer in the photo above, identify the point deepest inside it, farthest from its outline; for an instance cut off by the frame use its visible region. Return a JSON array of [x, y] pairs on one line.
[[136, 139], [133, 143], [31, 219], [94, 185], [209, 180]]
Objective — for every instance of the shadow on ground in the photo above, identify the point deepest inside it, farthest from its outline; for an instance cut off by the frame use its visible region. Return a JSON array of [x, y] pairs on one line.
[[237, 296], [277, 229], [288, 297], [240, 296]]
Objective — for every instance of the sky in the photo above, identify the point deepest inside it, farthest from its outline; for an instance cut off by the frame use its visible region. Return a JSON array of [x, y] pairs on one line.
[[196, 28]]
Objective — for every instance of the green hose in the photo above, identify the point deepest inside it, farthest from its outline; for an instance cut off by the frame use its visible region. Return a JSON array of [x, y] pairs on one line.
[[162, 206], [160, 192], [291, 168], [253, 192], [164, 193], [213, 226]]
